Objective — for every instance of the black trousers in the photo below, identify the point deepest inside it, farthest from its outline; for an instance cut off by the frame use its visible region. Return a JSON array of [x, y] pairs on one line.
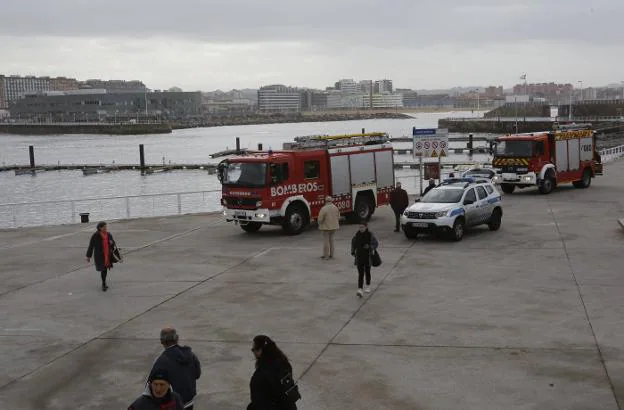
[[103, 274], [363, 268], [397, 218]]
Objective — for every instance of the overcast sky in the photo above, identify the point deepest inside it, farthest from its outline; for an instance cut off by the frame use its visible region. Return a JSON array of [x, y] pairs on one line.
[[209, 44]]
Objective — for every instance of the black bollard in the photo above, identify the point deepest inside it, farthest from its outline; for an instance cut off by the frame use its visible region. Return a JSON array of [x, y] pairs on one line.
[[260, 147], [142, 157], [470, 143], [363, 131], [237, 145], [31, 153]]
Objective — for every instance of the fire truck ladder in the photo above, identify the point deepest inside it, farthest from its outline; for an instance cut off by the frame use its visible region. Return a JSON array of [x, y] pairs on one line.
[[330, 141]]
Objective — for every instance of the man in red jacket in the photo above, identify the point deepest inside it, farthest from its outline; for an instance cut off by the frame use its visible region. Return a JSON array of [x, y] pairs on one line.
[[399, 202]]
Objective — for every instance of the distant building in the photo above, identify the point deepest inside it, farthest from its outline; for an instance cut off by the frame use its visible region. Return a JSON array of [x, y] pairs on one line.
[[3, 101], [385, 101], [366, 86], [554, 93], [15, 87], [494, 92], [347, 86], [383, 87], [115, 85], [410, 98], [80, 105], [279, 98], [64, 84]]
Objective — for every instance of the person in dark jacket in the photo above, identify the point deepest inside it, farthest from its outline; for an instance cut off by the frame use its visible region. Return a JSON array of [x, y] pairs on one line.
[[399, 202], [181, 364], [104, 251], [159, 396], [429, 187], [271, 366], [362, 244]]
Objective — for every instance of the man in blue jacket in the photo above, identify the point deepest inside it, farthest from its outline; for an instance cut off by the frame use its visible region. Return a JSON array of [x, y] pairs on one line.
[[181, 364]]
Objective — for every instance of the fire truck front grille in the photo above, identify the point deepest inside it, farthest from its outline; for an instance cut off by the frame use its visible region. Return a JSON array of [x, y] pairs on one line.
[[421, 215], [242, 203]]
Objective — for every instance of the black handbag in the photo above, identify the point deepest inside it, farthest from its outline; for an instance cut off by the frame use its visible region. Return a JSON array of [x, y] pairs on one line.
[[375, 258], [290, 389]]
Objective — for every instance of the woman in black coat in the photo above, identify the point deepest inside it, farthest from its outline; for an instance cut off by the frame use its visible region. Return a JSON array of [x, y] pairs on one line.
[[272, 365], [362, 245], [104, 251]]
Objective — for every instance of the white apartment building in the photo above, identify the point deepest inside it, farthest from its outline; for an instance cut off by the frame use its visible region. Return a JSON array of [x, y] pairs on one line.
[[15, 87], [279, 98]]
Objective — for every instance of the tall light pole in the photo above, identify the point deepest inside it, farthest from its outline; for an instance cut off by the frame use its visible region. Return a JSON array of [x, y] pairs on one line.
[[516, 106], [622, 89], [570, 111]]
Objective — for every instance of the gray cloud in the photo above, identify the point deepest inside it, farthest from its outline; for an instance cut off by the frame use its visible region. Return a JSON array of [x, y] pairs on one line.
[[247, 43], [376, 22]]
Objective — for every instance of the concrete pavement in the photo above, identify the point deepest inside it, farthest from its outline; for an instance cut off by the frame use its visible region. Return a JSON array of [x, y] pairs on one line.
[[529, 317]]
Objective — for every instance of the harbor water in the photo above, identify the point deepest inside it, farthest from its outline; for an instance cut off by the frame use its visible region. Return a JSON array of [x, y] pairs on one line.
[[58, 197]]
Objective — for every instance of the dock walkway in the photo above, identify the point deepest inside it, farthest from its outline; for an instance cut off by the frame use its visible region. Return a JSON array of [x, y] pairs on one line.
[[526, 317]]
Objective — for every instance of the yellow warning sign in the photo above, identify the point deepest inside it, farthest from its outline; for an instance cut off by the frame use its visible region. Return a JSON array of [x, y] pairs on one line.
[[434, 154], [442, 153]]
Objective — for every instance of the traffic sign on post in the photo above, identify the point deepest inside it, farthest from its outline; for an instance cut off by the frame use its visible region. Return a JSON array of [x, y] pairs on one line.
[[430, 142]]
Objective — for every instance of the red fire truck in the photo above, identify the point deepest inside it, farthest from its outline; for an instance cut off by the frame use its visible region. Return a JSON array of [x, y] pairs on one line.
[[288, 187], [547, 159]]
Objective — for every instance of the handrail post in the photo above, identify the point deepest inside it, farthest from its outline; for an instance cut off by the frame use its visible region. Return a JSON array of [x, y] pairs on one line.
[[127, 207], [179, 203]]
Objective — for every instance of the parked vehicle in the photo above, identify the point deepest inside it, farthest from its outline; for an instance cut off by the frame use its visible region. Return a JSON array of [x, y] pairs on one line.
[[547, 159], [288, 187], [453, 206]]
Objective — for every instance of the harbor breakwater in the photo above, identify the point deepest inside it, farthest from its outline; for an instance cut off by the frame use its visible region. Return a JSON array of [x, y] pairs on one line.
[[85, 128]]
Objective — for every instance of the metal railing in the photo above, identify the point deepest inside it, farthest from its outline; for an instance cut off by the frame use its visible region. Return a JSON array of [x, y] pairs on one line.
[[23, 214], [610, 154]]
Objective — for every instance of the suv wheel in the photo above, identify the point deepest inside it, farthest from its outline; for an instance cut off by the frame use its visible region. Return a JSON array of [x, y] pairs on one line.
[[457, 233], [410, 233], [495, 220]]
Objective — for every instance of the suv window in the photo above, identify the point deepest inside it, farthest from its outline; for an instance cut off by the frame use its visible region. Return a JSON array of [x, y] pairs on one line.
[[481, 192], [470, 195], [312, 169], [489, 189]]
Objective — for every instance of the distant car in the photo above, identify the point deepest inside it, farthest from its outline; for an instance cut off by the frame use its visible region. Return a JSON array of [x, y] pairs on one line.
[[452, 206], [479, 173]]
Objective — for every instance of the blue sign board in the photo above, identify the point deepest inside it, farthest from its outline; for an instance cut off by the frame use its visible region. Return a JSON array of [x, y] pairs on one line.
[[423, 131]]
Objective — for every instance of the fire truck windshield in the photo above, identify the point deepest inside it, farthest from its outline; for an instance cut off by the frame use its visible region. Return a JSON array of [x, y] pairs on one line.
[[518, 148], [245, 174]]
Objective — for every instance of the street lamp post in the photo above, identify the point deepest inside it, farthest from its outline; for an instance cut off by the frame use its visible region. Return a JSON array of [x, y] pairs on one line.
[[516, 106], [570, 111]]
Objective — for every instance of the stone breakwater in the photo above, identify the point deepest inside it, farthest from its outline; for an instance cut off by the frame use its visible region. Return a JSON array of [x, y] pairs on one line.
[[82, 128], [285, 118]]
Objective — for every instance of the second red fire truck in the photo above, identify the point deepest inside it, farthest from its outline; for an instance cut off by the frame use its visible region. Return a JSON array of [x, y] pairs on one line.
[[546, 159], [288, 187]]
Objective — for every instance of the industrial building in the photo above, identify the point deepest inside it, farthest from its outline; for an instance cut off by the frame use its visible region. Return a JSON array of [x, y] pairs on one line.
[[99, 105]]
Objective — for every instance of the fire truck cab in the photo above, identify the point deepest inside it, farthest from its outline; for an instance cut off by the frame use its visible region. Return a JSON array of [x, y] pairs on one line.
[[547, 159], [288, 187]]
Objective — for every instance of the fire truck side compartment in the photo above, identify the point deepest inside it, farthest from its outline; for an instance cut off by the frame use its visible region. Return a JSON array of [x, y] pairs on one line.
[[341, 183], [385, 168], [362, 168]]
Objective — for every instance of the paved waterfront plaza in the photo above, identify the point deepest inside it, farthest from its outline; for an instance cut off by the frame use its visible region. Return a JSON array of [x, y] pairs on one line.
[[530, 317]]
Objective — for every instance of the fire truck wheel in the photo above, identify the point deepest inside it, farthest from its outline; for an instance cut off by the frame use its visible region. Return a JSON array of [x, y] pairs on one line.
[[495, 220], [585, 181], [363, 208], [508, 188], [458, 230], [548, 184], [296, 219], [251, 227]]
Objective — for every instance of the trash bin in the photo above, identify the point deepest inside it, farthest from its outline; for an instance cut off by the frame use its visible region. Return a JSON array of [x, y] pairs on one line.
[[84, 217]]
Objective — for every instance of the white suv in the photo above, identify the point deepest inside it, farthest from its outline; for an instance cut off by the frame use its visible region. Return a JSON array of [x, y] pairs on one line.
[[452, 206]]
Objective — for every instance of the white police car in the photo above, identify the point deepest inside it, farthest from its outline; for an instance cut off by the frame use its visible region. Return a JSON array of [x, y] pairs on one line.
[[452, 206]]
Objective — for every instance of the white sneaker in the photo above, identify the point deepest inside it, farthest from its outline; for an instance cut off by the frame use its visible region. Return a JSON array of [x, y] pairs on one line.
[[360, 293], [367, 289]]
